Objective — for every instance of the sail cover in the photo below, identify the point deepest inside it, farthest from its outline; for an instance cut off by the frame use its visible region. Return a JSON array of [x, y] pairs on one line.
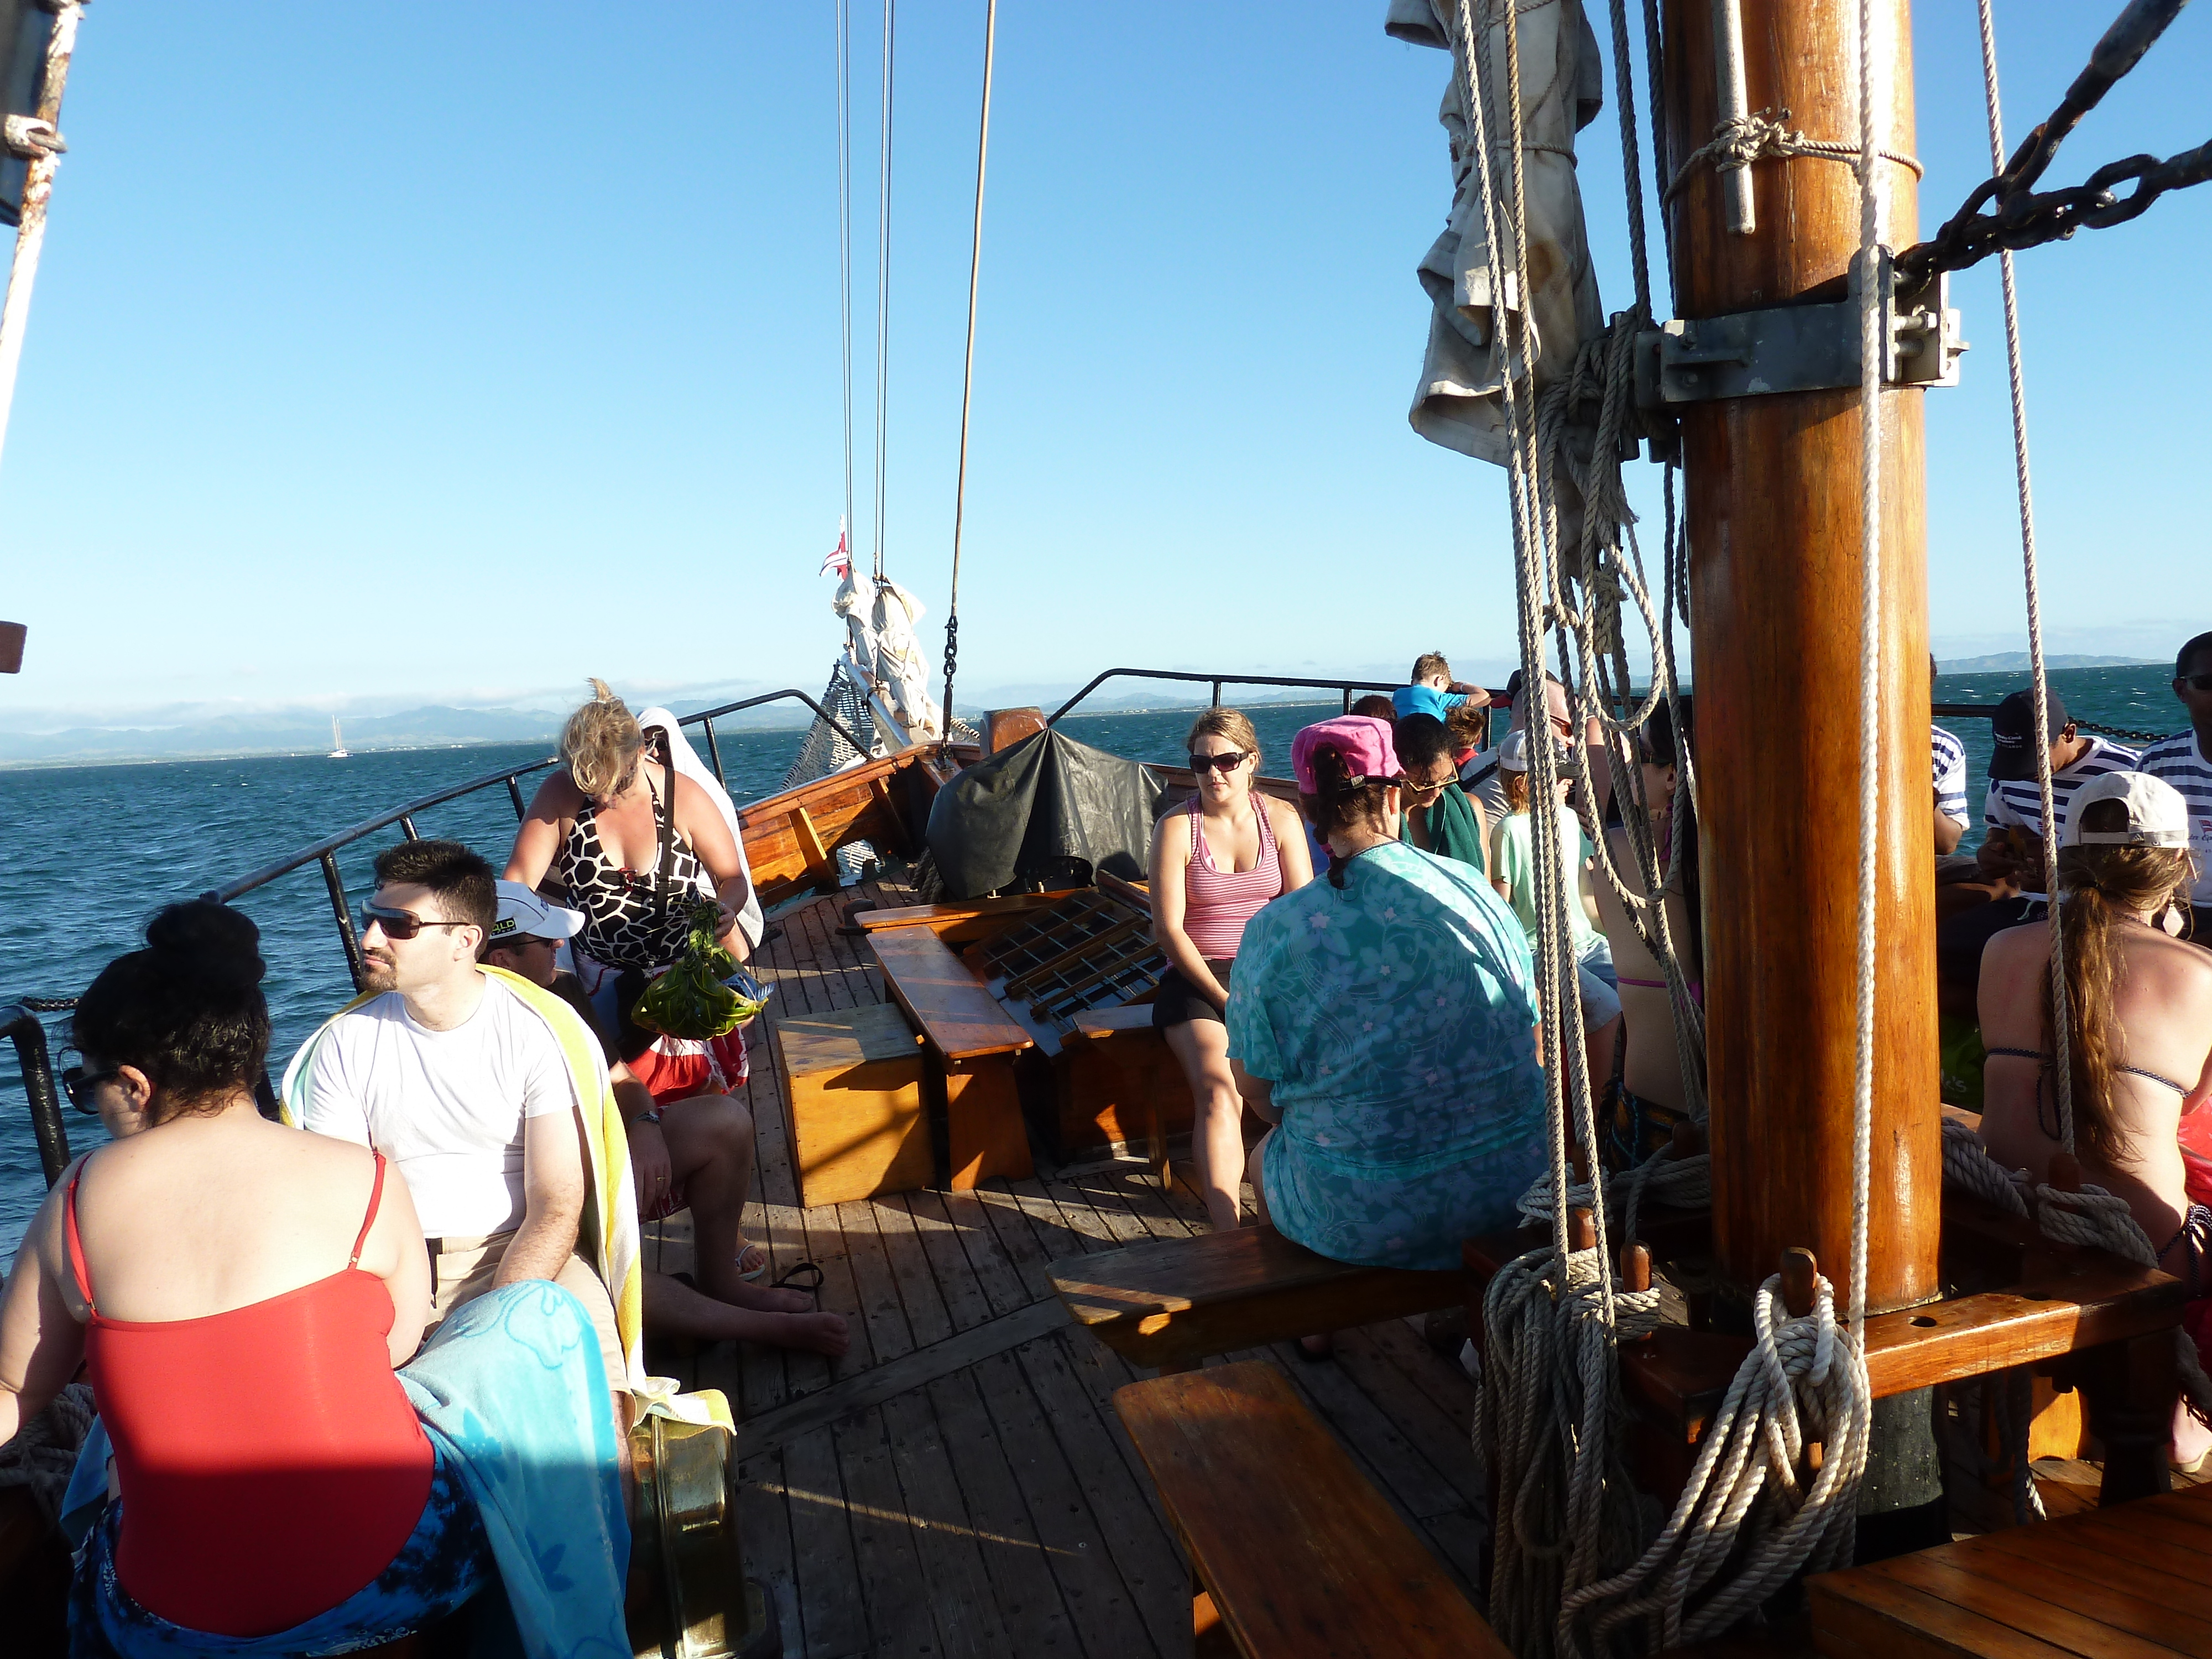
[[1457, 404], [885, 649], [1050, 809]]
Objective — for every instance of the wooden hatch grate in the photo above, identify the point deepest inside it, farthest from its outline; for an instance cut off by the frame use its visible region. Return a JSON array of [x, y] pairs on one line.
[[1086, 951]]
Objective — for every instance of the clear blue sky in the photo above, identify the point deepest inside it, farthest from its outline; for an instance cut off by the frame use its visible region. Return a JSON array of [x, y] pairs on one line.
[[423, 353]]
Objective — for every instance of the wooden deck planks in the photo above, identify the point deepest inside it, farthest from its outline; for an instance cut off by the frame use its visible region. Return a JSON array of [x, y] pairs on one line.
[[995, 1504]]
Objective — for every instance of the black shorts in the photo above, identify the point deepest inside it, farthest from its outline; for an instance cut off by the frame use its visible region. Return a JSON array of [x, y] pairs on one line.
[[1180, 1002]]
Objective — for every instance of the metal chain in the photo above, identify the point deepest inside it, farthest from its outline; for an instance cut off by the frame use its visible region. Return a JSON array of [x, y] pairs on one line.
[[2018, 217]]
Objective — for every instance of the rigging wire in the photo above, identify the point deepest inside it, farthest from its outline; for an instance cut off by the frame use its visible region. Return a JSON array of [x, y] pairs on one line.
[[883, 279], [845, 237], [2061, 1015], [968, 374]]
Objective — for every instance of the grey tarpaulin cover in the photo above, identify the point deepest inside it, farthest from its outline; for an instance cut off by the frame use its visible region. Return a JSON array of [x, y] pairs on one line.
[[1025, 812], [1562, 89]]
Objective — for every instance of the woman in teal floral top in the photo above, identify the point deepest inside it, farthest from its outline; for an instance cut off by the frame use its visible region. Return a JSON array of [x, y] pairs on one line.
[[1384, 1020]]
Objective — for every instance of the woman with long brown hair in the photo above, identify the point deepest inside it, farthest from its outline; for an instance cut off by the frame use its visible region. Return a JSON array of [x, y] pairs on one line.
[[1213, 864], [2139, 1028]]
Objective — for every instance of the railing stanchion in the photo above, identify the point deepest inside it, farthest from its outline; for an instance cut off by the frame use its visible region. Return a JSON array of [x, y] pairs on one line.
[[1216, 694], [336, 883], [515, 794], [713, 751], [31, 1058], [407, 827]]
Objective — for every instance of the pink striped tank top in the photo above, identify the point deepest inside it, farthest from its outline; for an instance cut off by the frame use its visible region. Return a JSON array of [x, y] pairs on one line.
[[1218, 903]]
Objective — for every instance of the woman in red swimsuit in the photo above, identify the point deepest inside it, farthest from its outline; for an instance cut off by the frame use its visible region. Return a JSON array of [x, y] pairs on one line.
[[239, 1293]]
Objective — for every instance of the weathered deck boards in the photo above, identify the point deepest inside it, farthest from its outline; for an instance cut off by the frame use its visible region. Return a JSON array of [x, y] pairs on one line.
[[962, 1484]]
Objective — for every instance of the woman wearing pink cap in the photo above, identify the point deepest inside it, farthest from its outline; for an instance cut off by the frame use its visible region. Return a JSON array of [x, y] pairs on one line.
[[1383, 1020], [2139, 1029], [1213, 867]]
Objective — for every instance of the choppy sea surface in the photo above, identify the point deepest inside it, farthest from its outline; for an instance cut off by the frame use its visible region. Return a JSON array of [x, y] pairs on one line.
[[93, 851]]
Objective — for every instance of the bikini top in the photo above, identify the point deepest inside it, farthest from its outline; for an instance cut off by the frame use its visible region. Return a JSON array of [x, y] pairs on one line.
[[271, 1463], [2181, 1089]]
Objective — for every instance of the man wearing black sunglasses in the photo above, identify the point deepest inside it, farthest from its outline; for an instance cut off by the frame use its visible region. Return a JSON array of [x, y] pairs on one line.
[[2184, 760]]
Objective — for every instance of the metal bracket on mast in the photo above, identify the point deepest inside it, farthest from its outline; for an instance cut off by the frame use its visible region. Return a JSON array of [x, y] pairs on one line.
[[1749, 354]]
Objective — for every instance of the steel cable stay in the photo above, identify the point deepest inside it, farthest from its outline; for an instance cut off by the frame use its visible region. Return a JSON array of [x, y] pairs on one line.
[[968, 370]]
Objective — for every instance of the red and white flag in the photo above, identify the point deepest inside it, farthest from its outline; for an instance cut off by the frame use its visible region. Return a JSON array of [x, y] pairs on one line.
[[839, 560]]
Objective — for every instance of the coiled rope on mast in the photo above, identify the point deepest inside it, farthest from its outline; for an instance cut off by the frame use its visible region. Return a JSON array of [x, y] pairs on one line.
[[968, 370]]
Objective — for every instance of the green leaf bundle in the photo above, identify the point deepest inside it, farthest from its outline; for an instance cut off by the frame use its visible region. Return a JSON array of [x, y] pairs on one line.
[[689, 1001]]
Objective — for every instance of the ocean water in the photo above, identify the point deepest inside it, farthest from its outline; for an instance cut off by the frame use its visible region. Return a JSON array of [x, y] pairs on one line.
[[94, 851]]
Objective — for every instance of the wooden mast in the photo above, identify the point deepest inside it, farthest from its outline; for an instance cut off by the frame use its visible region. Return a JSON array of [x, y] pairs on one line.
[[1773, 494]]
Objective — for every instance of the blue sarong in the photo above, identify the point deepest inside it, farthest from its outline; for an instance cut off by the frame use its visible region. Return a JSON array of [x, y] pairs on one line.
[[512, 1396]]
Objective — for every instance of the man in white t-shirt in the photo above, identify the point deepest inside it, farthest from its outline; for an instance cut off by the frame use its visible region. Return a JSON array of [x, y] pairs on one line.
[[2184, 761], [462, 1087]]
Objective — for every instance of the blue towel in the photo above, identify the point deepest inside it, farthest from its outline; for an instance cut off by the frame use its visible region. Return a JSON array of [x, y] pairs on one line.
[[513, 1394]]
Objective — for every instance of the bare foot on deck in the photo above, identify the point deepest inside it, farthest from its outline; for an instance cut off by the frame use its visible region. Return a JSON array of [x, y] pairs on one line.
[[782, 1319]]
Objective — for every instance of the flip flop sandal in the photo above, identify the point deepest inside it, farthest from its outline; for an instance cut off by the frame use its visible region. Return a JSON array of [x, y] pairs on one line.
[[756, 1275], [801, 1270]]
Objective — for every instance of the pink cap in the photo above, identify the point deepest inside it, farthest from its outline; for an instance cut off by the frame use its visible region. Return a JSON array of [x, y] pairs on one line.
[[1362, 740]]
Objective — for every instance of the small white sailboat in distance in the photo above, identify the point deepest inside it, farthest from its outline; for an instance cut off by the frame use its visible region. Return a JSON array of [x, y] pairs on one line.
[[338, 750]]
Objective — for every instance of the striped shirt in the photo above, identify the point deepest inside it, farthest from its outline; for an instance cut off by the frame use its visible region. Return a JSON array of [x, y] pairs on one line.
[[2019, 801], [1948, 757], [2180, 761]]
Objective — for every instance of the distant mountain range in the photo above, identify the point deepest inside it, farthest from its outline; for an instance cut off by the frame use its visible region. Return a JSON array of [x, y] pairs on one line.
[[2016, 662]]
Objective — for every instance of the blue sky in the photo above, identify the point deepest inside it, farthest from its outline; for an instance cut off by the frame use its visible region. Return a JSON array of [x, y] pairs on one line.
[[401, 355]]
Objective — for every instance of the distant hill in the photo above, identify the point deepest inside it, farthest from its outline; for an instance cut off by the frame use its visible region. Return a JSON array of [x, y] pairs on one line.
[[2016, 662]]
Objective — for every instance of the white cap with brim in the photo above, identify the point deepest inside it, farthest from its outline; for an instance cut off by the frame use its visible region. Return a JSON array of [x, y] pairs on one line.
[[1513, 753], [2157, 816], [523, 915]]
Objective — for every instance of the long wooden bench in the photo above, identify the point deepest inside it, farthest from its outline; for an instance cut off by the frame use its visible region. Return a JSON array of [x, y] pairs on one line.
[[1176, 1301], [1294, 1555], [970, 1044], [2135, 1580]]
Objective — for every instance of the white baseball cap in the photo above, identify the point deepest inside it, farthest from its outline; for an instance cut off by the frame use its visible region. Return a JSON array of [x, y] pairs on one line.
[[2157, 816], [523, 915], [1513, 753]]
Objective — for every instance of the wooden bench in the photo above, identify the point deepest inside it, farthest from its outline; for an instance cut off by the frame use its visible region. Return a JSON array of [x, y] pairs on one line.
[[1293, 1554], [2134, 1580], [1176, 1301], [852, 1090], [971, 1045], [1119, 1084]]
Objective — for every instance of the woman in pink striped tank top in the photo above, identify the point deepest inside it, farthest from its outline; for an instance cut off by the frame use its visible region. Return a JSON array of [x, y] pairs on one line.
[[1214, 863]]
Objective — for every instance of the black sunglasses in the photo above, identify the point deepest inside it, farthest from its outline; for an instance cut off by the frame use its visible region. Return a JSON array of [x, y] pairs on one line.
[[2194, 682], [1225, 763], [78, 1085], [400, 924]]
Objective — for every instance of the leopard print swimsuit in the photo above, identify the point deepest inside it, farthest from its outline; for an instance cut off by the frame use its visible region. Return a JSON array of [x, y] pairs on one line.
[[626, 924]]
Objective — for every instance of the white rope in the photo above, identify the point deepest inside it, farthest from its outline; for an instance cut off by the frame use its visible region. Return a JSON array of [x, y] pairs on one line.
[[1802, 1382], [884, 282], [2061, 1019], [975, 276], [845, 235], [1742, 140], [1682, 1183]]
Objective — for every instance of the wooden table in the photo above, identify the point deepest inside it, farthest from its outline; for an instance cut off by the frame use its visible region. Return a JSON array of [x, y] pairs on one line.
[[2131, 1581], [970, 1043]]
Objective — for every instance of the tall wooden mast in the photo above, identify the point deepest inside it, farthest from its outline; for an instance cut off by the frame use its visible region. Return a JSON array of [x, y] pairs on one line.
[[1773, 487]]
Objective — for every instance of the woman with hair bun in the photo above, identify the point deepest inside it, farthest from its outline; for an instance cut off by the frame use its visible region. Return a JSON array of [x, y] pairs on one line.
[[2139, 1033], [241, 1295], [1213, 866], [1383, 1020]]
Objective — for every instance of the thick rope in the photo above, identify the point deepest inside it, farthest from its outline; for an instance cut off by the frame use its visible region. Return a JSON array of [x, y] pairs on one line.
[[844, 235], [1683, 1182], [884, 282], [2062, 1018], [1802, 1382], [968, 371], [1739, 141]]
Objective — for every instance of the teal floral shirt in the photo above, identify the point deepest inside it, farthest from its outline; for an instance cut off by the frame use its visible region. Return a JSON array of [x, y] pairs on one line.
[[1394, 1018]]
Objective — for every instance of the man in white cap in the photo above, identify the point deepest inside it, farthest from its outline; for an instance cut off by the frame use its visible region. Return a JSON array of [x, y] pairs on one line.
[[694, 1152]]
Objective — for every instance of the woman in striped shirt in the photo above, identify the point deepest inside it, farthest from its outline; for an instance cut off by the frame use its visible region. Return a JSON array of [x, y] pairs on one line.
[[1213, 864]]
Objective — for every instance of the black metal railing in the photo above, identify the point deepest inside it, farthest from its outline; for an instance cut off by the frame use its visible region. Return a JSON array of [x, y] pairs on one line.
[[706, 717], [20, 1022], [1344, 688]]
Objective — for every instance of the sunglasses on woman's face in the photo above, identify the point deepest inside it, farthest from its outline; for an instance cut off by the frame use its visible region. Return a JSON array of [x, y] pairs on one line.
[[1225, 762], [399, 924], [78, 1085]]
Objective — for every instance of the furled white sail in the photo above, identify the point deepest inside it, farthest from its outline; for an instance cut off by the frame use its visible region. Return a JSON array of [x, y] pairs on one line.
[[885, 654], [1457, 403]]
